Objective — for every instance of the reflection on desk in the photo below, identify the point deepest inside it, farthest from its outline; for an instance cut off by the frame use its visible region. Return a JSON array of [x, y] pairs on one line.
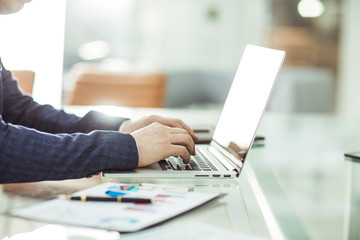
[[304, 176], [298, 186]]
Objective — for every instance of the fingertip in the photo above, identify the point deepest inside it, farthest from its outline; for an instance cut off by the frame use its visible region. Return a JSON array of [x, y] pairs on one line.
[[196, 137], [186, 161], [186, 157]]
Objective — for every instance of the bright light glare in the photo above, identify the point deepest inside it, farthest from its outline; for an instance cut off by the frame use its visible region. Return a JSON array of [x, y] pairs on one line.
[[43, 233], [33, 39], [56, 232], [94, 50], [310, 8]]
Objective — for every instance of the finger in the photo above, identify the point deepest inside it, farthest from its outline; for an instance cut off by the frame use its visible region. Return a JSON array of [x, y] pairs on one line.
[[190, 131], [178, 150], [189, 141], [184, 140], [172, 122], [176, 130]]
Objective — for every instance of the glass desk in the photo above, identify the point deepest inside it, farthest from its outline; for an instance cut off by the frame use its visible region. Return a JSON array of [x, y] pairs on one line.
[[297, 186], [311, 188], [238, 211]]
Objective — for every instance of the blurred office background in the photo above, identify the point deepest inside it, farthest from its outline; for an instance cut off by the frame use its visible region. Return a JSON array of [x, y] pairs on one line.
[[195, 45]]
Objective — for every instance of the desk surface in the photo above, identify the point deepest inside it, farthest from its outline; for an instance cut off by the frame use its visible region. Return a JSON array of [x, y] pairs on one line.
[[298, 186], [309, 185]]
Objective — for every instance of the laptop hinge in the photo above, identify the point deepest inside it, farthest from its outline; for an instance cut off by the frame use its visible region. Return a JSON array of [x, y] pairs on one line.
[[235, 163]]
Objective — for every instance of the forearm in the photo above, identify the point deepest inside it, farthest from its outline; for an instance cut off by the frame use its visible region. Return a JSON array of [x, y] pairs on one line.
[[47, 119], [27, 155]]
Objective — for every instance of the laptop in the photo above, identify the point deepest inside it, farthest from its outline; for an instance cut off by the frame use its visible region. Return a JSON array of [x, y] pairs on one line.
[[234, 133]]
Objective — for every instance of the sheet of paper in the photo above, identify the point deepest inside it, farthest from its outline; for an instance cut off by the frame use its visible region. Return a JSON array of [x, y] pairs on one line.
[[123, 217]]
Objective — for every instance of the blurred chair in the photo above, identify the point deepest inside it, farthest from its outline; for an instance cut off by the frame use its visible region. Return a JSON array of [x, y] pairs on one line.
[[114, 88], [25, 79]]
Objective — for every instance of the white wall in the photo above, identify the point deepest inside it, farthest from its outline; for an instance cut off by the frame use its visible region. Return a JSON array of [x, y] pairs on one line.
[[186, 39], [178, 35], [33, 39], [349, 78]]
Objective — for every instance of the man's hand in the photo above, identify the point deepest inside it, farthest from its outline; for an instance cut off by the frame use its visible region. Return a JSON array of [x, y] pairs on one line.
[[132, 126], [157, 141]]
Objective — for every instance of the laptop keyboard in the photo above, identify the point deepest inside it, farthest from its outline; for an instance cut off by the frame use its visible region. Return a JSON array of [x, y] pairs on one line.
[[197, 163]]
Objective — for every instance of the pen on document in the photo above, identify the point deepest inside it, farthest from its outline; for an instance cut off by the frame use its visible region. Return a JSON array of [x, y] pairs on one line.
[[166, 187], [85, 198]]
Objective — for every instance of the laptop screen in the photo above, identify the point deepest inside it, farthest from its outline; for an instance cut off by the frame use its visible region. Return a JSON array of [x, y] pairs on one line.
[[247, 99]]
